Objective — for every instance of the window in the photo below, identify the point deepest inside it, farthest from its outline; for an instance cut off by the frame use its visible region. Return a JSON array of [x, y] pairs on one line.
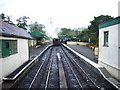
[[106, 38], [8, 47], [13, 47]]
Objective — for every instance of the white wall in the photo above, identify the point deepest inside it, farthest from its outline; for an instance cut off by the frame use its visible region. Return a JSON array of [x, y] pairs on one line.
[[119, 48], [0, 73], [32, 42], [108, 56], [12, 62]]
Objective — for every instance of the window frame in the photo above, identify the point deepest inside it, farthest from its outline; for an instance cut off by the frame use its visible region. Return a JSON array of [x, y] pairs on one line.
[[8, 47], [106, 39]]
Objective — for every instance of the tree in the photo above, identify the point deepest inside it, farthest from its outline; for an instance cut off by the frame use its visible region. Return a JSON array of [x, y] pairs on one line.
[[6, 18], [2, 16], [22, 22], [37, 26], [64, 32], [84, 35], [94, 27]]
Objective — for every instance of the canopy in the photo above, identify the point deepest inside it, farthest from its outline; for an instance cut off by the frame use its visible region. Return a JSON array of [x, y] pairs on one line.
[[38, 34]]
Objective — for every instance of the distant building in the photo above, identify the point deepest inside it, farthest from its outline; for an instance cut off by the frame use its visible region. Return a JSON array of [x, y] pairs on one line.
[[14, 48], [109, 46], [47, 40], [39, 37]]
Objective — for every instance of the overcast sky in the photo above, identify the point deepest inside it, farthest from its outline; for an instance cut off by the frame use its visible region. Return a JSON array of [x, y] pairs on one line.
[[63, 13]]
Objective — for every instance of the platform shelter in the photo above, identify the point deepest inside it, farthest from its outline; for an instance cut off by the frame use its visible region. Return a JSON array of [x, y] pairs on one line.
[[39, 36]]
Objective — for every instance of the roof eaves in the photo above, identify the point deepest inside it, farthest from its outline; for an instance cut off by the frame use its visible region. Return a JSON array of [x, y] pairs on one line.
[[15, 36], [110, 23]]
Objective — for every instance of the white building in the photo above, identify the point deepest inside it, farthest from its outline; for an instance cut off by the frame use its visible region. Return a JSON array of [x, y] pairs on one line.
[[109, 46], [14, 48]]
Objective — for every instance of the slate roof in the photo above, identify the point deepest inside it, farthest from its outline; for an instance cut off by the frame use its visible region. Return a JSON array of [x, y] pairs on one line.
[[13, 31]]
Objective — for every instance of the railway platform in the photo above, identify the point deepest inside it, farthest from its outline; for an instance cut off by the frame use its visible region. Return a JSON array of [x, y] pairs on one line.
[[84, 50], [34, 52], [85, 55], [55, 63]]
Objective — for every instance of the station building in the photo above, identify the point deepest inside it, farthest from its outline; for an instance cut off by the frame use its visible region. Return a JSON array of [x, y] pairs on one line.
[[14, 48], [109, 46]]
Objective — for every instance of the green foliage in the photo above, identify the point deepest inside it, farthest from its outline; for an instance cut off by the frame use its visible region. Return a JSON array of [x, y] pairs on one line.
[[94, 27], [2, 16], [36, 26], [22, 22], [68, 34], [91, 34], [84, 35], [6, 18], [63, 32]]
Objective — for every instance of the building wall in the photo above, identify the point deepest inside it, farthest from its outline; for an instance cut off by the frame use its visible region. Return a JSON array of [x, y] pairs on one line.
[[0, 73], [32, 42], [119, 49], [12, 62], [108, 56]]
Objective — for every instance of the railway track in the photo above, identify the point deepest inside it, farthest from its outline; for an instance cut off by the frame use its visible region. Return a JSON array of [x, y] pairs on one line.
[[43, 74], [81, 79], [56, 68]]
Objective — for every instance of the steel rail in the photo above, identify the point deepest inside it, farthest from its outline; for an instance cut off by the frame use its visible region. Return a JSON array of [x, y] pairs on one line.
[[30, 86], [72, 70], [23, 69], [74, 62], [48, 75]]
